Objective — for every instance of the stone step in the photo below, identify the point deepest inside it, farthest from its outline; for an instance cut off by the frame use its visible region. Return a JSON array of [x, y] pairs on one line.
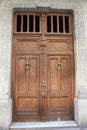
[[56, 125], [49, 129]]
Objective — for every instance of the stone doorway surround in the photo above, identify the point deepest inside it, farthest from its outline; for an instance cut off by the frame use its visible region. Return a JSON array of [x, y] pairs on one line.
[[6, 28]]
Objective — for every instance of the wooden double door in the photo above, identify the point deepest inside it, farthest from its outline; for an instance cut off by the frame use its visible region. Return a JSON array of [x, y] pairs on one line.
[[42, 70]]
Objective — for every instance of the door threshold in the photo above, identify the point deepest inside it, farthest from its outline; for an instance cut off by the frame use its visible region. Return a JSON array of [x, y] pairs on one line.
[[48, 124]]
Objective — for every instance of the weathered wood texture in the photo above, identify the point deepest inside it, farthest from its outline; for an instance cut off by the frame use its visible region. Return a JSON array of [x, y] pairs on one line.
[[43, 68]]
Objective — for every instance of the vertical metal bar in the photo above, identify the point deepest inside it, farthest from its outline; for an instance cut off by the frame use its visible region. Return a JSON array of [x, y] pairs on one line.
[[34, 23], [63, 23], [21, 23], [27, 23], [57, 23], [51, 23]]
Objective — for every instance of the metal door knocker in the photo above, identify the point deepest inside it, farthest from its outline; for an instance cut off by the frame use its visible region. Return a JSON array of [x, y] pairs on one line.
[[27, 65], [59, 66]]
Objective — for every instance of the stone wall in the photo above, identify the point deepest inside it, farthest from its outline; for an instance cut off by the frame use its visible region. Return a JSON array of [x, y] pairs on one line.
[[79, 9]]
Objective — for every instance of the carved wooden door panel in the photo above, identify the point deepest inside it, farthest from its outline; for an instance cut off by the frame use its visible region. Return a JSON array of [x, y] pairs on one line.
[[59, 87], [27, 88], [42, 67], [60, 67], [26, 79]]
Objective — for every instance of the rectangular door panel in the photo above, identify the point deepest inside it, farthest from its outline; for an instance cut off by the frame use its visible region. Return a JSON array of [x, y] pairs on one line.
[[26, 43], [59, 87], [21, 76], [65, 75], [27, 88], [59, 43]]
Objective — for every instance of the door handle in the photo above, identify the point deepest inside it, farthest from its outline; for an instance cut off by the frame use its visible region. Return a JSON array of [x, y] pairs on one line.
[[59, 66]]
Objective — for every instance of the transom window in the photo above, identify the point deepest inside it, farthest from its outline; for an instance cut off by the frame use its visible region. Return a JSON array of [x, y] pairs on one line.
[[57, 23], [31, 23], [27, 22]]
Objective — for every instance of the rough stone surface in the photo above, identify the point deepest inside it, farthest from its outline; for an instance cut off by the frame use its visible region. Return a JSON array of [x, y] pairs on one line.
[[48, 124], [56, 125], [79, 9], [81, 112], [53, 128], [5, 114]]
